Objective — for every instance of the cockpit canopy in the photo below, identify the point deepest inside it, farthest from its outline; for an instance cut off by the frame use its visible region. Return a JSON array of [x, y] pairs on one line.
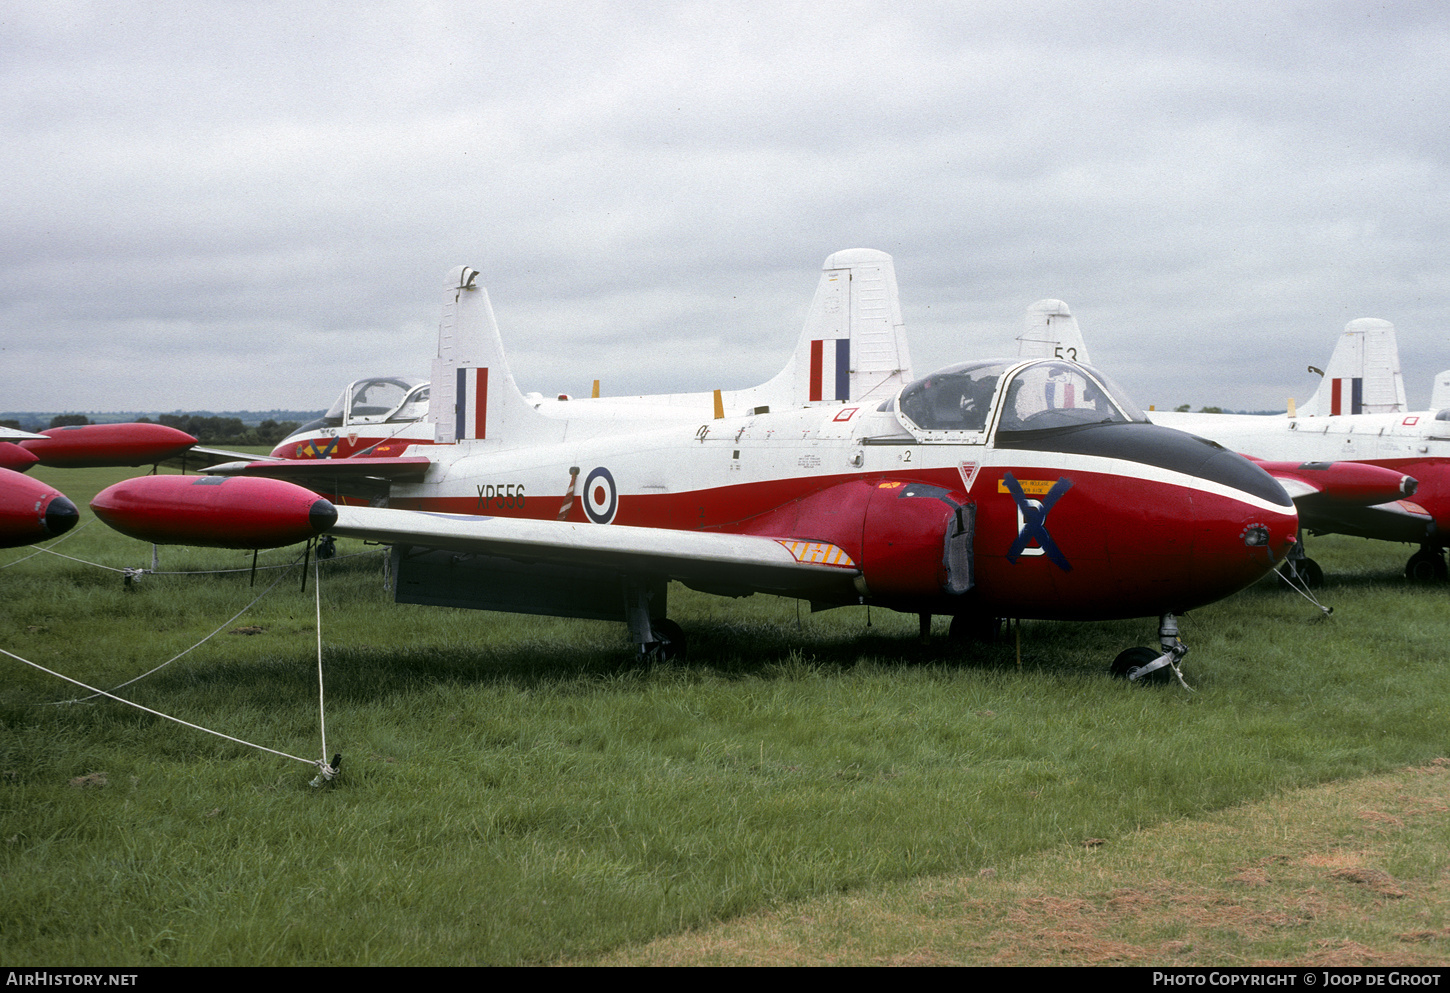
[[379, 400], [964, 402]]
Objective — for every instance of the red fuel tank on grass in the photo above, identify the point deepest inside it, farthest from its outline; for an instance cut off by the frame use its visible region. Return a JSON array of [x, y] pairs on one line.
[[13, 457], [215, 511], [90, 445], [31, 511], [1349, 482]]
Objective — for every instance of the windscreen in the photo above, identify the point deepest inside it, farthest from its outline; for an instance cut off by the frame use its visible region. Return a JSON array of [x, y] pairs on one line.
[[368, 401], [1057, 394]]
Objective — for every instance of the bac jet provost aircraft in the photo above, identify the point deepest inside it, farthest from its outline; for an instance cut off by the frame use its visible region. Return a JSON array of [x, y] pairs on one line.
[[986, 490], [1349, 440]]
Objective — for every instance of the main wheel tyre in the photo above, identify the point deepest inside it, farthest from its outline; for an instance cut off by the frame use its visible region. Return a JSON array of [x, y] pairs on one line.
[[1426, 566], [671, 643], [1131, 660], [968, 628]]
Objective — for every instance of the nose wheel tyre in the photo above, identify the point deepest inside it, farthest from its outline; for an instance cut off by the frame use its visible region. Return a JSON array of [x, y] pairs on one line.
[[1307, 570], [1131, 660]]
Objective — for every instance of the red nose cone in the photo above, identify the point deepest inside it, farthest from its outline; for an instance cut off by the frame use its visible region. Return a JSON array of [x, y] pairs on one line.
[[216, 511], [31, 511], [91, 445]]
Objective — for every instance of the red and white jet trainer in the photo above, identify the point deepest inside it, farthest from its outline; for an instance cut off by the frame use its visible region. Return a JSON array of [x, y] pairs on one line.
[[1355, 425], [985, 490]]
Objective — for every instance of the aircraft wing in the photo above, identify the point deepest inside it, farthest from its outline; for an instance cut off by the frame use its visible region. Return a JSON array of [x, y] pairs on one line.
[[704, 560], [300, 471], [1399, 520], [198, 457], [365, 478], [15, 434]]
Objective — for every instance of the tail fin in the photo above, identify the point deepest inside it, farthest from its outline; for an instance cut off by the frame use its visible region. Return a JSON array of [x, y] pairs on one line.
[[1051, 332], [474, 396], [853, 347], [1363, 376], [1440, 392]]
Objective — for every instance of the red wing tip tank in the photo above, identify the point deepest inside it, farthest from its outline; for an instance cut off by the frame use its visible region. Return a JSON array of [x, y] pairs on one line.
[[31, 511], [214, 511], [15, 458], [1355, 482], [85, 446]]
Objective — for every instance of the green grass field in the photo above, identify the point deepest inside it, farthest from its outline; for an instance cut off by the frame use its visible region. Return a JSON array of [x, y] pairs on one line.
[[516, 790]]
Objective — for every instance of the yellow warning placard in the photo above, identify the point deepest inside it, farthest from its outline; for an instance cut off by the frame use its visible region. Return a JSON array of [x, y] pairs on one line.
[[1030, 487]]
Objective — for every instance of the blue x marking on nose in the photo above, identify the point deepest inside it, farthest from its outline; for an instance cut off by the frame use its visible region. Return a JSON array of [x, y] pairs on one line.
[[1033, 519]]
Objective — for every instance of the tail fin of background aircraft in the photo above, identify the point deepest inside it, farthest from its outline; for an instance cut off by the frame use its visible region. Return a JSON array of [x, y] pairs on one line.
[[474, 396], [1051, 333], [853, 347], [1440, 392], [1363, 375]]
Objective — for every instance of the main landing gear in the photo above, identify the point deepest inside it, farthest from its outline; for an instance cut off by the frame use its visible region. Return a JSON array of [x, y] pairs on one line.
[[664, 641], [669, 643], [659, 638], [1144, 665], [1427, 565], [974, 628]]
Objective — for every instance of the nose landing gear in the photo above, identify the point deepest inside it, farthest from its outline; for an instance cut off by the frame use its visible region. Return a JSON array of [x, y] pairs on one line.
[[1144, 665], [1298, 565]]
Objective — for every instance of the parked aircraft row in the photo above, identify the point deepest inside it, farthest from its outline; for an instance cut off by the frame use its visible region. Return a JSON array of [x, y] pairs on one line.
[[1357, 416], [382, 416], [1000, 488], [988, 489]]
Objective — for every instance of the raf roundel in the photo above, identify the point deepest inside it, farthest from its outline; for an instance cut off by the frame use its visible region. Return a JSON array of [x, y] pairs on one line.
[[601, 499]]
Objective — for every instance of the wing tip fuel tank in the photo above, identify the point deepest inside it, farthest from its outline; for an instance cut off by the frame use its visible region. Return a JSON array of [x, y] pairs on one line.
[[97, 445], [31, 511], [214, 511]]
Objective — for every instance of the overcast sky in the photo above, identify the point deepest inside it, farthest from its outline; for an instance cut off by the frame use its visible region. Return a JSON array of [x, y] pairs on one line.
[[212, 205]]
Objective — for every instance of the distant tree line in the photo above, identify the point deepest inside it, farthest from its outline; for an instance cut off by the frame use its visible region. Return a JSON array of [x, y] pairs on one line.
[[58, 421], [208, 430], [226, 430]]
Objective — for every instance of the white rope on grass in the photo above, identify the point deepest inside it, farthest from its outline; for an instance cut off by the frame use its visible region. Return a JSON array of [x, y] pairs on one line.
[[328, 771], [1304, 592], [196, 727], [203, 641], [108, 568], [132, 572], [47, 548]]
